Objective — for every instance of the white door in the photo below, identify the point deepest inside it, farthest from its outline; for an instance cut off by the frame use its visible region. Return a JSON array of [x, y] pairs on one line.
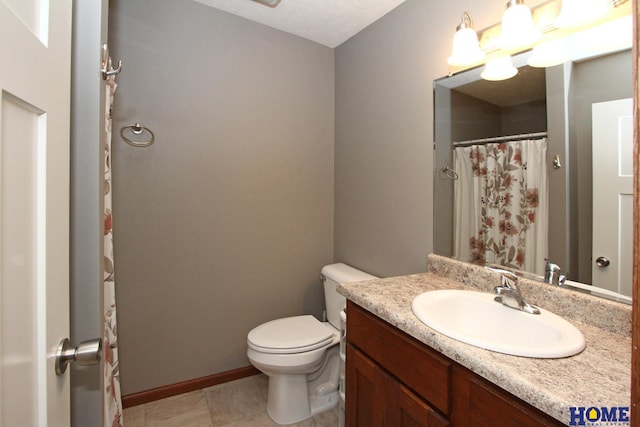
[[613, 195], [35, 54]]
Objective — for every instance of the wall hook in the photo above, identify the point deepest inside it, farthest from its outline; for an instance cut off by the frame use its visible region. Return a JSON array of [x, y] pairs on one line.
[[107, 69]]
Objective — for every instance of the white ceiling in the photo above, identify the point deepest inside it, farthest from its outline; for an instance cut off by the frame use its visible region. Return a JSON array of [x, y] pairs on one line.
[[328, 22]]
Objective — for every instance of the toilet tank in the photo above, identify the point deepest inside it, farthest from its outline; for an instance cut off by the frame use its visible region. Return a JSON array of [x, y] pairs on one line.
[[332, 275]]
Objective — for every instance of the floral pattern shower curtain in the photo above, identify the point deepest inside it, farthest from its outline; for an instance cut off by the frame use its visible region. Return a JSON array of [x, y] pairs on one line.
[[112, 399], [500, 197]]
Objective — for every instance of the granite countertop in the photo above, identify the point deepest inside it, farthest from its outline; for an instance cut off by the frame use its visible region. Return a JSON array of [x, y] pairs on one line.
[[599, 376]]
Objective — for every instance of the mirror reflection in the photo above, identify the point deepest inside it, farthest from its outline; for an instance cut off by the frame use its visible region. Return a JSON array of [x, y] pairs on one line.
[[534, 172]]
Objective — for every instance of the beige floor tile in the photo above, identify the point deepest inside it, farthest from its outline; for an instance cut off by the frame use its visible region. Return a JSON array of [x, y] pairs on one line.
[[134, 416], [237, 400], [238, 403], [327, 418], [188, 409], [309, 422], [259, 420]]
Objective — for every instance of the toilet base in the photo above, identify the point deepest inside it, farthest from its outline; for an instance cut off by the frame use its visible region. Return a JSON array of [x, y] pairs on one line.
[[288, 399], [321, 404]]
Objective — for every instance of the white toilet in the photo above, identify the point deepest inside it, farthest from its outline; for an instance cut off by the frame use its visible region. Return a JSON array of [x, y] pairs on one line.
[[300, 354]]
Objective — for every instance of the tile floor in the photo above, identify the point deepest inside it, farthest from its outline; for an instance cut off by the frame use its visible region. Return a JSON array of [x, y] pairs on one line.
[[238, 403]]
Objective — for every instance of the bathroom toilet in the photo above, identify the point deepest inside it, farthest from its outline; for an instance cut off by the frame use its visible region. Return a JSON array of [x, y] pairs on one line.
[[300, 354]]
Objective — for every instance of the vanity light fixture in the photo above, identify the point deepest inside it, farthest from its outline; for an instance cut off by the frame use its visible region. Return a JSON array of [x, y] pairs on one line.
[[466, 48], [500, 68], [549, 53], [541, 28], [518, 30], [609, 37], [576, 13]]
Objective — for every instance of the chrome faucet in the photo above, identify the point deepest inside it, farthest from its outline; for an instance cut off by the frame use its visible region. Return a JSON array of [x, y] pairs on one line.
[[509, 293], [553, 274]]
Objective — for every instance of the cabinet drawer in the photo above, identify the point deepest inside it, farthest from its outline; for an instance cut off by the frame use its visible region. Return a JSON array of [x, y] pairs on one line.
[[410, 361]]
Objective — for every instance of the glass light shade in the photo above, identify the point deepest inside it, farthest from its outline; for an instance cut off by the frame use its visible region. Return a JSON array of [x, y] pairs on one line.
[[548, 54], [500, 68], [466, 49], [518, 30], [609, 37], [575, 13]]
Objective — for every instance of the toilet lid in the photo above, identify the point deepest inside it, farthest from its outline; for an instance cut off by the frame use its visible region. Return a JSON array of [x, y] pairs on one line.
[[290, 335]]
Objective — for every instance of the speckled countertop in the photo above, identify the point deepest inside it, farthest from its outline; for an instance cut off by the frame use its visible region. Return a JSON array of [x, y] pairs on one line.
[[599, 376]]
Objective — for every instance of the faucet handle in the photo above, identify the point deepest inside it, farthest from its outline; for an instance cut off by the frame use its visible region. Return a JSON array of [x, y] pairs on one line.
[[551, 266], [553, 273], [509, 293], [510, 276], [562, 279]]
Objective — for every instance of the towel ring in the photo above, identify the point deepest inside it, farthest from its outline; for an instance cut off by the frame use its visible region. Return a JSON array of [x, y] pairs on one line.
[[447, 172], [137, 135]]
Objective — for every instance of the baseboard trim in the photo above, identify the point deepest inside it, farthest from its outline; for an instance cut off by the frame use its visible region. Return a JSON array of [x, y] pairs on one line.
[[186, 386]]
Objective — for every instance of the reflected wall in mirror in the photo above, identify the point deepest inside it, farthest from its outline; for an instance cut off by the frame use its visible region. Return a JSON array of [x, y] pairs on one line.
[[556, 104]]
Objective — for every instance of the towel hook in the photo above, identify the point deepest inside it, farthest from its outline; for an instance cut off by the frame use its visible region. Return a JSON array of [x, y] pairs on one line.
[[107, 69]]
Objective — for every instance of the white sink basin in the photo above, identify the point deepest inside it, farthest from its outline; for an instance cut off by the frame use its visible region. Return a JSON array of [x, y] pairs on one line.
[[476, 319]]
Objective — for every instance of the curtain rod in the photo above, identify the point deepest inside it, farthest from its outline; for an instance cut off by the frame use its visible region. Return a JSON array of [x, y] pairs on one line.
[[499, 138]]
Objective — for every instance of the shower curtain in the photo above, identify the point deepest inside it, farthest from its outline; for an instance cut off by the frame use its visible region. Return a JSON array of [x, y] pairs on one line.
[[112, 399], [500, 198]]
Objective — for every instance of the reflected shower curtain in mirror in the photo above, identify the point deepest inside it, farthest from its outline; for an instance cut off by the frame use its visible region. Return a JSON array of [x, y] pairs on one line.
[[501, 211], [112, 400]]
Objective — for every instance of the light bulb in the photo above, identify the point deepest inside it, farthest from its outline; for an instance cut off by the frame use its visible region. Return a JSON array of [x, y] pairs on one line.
[[576, 13], [466, 49], [518, 30], [500, 68], [548, 54]]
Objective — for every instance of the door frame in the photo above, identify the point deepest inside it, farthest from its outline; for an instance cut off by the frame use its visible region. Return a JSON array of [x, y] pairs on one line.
[[90, 21], [635, 334]]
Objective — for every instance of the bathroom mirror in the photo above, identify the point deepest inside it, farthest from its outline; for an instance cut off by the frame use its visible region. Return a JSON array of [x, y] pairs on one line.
[[555, 103]]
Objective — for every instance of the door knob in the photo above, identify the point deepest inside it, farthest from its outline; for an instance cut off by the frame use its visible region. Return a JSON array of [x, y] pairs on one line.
[[602, 261], [87, 353]]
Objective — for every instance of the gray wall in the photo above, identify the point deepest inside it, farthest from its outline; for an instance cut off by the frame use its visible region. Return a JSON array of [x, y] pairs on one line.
[[226, 221], [602, 79], [558, 82], [524, 118], [384, 132], [87, 223]]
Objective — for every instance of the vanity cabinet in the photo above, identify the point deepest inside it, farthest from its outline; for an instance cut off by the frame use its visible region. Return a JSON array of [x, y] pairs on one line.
[[381, 400], [394, 380]]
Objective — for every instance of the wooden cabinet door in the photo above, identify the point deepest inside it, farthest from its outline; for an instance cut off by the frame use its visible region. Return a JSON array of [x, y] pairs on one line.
[[365, 393], [413, 411], [375, 398]]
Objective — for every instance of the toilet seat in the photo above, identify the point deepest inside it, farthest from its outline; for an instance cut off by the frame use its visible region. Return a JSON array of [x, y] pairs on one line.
[[290, 335]]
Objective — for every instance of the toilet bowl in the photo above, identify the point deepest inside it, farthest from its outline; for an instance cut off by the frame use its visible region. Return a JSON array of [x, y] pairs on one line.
[[300, 354], [303, 379]]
